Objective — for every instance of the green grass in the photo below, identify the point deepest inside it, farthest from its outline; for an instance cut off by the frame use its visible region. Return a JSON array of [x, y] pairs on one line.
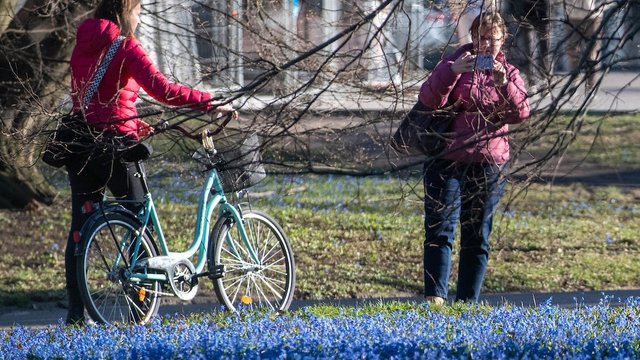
[[603, 140], [362, 237], [542, 243]]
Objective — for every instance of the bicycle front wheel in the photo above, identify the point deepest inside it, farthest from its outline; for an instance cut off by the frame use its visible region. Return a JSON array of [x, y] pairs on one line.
[[264, 280], [109, 292]]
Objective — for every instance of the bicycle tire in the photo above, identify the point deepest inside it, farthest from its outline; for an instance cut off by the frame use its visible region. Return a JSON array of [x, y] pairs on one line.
[[269, 284], [108, 295]]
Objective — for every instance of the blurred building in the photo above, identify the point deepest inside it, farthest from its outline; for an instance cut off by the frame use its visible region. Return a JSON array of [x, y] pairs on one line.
[[227, 44]]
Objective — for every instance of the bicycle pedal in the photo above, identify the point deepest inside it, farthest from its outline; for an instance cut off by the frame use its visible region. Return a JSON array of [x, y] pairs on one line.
[[215, 272]]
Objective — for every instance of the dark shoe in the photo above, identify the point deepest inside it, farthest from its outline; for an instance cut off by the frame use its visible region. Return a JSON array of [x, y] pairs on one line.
[[75, 318]]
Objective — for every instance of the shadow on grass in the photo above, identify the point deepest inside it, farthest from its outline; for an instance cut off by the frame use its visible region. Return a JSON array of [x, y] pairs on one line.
[[26, 299], [400, 285], [591, 176]]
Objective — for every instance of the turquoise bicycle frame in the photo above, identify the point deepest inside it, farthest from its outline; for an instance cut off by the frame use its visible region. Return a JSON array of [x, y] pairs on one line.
[[208, 201]]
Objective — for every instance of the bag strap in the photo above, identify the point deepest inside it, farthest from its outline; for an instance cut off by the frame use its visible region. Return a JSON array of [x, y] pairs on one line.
[[101, 70]]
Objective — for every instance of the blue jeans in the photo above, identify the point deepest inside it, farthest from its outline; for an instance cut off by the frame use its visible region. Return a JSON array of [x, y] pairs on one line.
[[458, 193]]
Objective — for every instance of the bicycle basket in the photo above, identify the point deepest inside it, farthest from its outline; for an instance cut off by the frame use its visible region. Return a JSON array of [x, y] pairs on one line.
[[238, 160]]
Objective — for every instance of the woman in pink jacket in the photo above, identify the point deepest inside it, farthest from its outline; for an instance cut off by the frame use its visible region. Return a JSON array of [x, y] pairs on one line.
[[465, 185], [112, 108]]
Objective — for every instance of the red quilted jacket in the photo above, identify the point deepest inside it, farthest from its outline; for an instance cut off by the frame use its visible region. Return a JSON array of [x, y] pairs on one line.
[[113, 105], [483, 111]]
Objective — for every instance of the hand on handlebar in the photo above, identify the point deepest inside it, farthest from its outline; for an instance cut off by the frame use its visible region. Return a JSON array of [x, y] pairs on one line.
[[221, 109], [144, 129]]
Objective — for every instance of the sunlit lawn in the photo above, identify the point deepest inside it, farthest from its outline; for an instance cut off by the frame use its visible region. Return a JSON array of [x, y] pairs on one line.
[[362, 237]]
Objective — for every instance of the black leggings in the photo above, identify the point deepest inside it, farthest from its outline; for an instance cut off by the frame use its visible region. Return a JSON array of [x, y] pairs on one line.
[[88, 183]]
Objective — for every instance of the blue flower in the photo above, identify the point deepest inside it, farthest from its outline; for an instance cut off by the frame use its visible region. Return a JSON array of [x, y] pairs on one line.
[[547, 331]]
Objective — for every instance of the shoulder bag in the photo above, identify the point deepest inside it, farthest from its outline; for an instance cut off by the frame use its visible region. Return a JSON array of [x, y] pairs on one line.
[[72, 137], [423, 131]]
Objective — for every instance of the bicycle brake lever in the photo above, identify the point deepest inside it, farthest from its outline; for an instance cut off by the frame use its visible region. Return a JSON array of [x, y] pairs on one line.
[[221, 126], [207, 140], [162, 125]]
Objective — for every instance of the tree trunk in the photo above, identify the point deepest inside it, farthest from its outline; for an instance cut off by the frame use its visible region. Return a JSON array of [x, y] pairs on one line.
[[34, 53]]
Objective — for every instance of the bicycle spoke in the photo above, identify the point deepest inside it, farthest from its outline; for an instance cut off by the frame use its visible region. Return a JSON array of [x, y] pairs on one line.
[[110, 294], [236, 281], [266, 251], [268, 283], [238, 246], [282, 273], [234, 256], [134, 309], [233, 281], [104, 259], [264, 296], [247, 290], [255, 237], [271, 254], [100, 296]]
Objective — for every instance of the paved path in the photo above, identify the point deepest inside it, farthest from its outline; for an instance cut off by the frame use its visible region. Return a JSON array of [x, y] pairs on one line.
[[618, 92], [42, 315]]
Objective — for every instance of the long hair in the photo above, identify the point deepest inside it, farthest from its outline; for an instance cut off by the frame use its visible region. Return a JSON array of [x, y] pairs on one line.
[[117, 11]]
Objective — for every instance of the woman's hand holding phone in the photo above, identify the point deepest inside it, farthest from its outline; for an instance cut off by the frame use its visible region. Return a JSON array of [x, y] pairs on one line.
[[488, 62], [499, 74], [468, 62], [464, 63]]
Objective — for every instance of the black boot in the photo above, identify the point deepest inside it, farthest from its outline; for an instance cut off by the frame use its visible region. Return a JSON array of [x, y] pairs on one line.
[[75, 316]]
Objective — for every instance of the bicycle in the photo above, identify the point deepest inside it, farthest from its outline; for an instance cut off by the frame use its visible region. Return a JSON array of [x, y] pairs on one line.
[[122, 272]]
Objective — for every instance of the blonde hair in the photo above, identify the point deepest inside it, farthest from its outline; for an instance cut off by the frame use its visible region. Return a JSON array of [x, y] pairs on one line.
[[488, 20], [119, 12]]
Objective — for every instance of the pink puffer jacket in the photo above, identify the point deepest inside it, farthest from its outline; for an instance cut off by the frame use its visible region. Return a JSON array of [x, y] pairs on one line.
[[483, 111], [113, 105]]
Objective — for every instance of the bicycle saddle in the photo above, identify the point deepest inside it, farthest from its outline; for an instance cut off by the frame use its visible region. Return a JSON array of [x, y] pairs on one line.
[[138, 152]]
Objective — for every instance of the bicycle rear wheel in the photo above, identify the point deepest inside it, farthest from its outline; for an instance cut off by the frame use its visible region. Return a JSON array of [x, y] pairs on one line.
[[268, 282], [108, 292]]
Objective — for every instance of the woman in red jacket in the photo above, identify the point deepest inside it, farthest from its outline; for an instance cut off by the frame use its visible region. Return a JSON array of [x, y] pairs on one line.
[[465, 185], [112, 108]]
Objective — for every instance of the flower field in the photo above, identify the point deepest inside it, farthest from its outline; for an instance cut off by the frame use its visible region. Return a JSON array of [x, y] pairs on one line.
[[381, 331]]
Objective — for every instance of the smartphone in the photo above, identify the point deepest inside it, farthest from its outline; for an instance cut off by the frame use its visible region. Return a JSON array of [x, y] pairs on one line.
[[484, 62]]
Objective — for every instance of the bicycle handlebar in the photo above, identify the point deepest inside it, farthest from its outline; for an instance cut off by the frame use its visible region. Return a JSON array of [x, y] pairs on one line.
[[197, 137]]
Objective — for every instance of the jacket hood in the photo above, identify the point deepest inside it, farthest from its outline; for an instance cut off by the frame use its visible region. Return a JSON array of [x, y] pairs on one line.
[[95, 34]]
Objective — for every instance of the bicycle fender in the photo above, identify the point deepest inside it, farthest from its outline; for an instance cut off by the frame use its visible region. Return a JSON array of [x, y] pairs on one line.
[[100, 211]]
